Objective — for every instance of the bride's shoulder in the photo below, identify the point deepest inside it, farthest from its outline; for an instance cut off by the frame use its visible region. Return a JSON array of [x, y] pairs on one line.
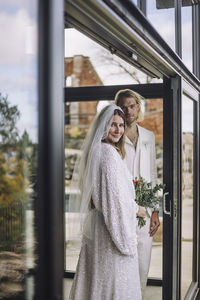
[[107, 148], [109, 153]]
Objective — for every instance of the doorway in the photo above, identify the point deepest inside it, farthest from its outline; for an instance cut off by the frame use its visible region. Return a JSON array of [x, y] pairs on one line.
[[77, 124]]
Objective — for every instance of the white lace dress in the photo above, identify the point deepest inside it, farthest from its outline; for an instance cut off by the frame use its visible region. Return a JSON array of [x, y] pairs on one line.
[[108, 264]]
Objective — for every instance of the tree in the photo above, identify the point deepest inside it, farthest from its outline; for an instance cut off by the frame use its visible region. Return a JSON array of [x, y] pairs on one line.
[[116, 66], [9, 114], [14, 180]]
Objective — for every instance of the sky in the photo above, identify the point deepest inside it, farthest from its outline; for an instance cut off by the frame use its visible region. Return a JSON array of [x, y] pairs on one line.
[[18, 55]]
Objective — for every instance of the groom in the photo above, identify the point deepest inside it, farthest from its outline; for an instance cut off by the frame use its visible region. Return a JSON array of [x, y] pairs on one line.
[[141, 161]]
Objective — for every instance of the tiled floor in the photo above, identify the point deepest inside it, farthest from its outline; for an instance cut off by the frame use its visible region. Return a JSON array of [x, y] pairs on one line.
[[152, 292]]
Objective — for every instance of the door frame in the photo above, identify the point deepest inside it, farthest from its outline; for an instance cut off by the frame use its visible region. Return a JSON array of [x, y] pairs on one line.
[[190, 92], [148, 91], [172, 179], [174, 88], [171, 92]]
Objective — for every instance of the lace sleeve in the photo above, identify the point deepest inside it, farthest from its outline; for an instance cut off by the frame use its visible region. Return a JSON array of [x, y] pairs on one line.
[[117, 202]]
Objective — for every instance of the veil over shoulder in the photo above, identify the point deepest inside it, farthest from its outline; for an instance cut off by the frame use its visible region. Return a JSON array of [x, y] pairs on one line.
[[85, 167]]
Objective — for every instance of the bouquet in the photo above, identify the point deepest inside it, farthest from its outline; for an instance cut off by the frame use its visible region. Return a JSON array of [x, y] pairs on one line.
[[146, 196]]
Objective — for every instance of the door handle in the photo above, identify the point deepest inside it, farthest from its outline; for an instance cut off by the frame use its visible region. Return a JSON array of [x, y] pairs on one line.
[[164, 205]]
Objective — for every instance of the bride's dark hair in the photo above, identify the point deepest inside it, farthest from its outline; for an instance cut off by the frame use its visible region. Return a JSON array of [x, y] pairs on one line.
[[120, 144]]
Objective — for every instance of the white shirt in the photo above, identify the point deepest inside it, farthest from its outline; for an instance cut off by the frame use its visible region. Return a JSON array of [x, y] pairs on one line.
[[141, 162], [132, 158]]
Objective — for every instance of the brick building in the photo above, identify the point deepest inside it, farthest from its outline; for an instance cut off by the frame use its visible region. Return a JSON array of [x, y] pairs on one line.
[[79, 71]]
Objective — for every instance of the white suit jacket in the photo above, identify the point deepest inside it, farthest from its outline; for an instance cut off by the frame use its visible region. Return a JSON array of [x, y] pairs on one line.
[[144, 164]]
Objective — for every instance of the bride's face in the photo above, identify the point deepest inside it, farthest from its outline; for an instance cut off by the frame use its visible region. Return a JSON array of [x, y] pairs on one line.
[[116, 130]]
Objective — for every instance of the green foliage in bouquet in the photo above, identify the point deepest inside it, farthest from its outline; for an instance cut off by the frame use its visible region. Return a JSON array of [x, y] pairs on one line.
[[146, 196]]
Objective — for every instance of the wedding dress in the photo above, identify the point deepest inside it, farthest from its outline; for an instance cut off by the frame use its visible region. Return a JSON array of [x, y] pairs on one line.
[[108, 263]]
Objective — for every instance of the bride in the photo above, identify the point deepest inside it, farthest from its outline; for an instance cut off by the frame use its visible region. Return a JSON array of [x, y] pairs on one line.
[[108, 262]]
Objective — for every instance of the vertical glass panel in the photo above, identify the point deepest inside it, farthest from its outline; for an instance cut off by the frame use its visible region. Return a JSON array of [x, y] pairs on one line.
[[161, 14], [18, 144], [187, 36], [153, 121], [187, 195], [78, 117], [77, 125]]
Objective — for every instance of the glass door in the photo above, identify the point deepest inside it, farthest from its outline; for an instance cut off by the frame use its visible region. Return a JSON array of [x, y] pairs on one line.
[[79, 114], [189, 200], [180, 203]]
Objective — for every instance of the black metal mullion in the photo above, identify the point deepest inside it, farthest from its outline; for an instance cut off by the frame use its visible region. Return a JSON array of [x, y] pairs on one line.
[[92, 93], [50, 198], [168, 180], [178, 28], [142, 6], [198, 196], [179, 188], [196, 39], [195, 191]]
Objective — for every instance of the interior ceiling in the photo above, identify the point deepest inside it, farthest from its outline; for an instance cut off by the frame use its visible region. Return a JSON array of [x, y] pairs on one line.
[[122, 29]]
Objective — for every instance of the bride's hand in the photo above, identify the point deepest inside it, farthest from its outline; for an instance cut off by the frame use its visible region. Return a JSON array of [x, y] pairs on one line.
[[141, 212]]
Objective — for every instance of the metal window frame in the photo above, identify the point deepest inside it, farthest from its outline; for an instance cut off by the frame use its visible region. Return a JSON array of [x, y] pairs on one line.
[[50, 200], [189, 92], [142, 5], [92, 93], [196, 39], [178, 27], [126, 21], [172, 179]]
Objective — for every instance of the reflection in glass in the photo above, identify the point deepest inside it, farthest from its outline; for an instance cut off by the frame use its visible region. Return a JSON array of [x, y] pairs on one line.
[[187, 195], [162, 17], [18, 143], [186, 14], [78, 117]]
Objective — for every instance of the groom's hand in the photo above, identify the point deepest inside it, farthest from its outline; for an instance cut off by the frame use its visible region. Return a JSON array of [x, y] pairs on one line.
[[154, 223]]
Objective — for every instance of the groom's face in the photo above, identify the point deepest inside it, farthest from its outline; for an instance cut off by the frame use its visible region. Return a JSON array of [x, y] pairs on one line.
[[130, 109]]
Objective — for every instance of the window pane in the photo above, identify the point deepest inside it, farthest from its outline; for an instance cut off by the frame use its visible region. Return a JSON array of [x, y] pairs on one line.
[[187, 194], [187, 36], [153, 120], [162, 17], [18, 145], [78, 117], [104, 68]]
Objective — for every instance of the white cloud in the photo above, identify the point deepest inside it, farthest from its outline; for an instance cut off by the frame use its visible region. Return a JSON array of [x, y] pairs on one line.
[[17, 35], [78, 44]]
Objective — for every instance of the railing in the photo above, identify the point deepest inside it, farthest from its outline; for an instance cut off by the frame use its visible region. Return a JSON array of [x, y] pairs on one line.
[[11, 226]]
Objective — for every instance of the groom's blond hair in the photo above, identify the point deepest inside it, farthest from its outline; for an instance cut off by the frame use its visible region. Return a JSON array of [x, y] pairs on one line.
[[127, 93]]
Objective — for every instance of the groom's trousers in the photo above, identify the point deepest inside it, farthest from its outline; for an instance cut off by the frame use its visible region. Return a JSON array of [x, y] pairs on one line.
[[144, 253]]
